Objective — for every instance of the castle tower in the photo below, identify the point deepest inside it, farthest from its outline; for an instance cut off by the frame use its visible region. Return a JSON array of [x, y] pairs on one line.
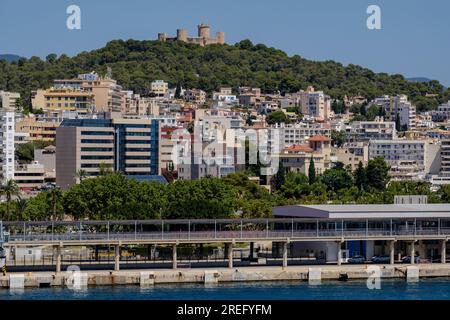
[[162, 37], [220, 37], [203, 31], [182, 35]]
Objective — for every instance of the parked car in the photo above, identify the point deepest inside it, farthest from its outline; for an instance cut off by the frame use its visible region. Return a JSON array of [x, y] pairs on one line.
[[356, 259], [381, 259], [407, 259]]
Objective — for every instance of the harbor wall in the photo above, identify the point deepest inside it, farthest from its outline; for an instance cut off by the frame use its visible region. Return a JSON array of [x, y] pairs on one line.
[[178, 276]]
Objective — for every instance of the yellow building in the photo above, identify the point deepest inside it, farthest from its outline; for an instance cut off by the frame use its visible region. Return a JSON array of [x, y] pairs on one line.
[[37, 129], [63, 99]]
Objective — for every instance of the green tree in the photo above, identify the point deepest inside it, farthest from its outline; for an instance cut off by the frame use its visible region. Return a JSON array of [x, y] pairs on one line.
[[312, 171], [114, 196], [205, 198], [104, 169], [336, 179], [10, 189], [277, 117], [338, 138], [20, 207], [377, 174], [81, 174], [279, 178], [359, 176]]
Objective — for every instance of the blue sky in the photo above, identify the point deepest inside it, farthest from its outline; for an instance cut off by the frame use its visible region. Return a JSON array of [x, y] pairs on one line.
[[414, 39]]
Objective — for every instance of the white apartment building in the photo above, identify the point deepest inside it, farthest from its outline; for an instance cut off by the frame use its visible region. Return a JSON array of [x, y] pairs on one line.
[[398, 107], [314, 103], [224, 98], [371, 130], [299, 133], [442, 114], [409, 159], [7, 159], [445, 157]]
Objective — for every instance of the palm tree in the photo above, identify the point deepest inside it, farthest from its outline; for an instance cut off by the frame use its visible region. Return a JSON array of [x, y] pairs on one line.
[[9, 189], [104, 169], [81, 174], [54, 195], [21, 206]]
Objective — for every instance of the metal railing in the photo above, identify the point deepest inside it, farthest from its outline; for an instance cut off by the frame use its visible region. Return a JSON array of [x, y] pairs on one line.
[[192, 230]]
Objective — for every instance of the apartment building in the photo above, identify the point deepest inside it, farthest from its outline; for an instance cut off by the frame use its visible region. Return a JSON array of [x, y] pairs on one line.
[[30, 176], [159, 88], [130, 146], [37, 129], [58, 100], [224, 98], [351, 154], [297, 157], [249, 96], [299, 133], [8, 100], [399, 109], [445, 157], [409, 159], [7, 150], [195, 96], [106, 93], [314, 103], [371, 130], [442, 114]]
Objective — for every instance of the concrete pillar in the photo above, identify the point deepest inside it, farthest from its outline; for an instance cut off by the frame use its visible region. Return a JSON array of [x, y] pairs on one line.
[[58, 258], [285, 254], [443, 251], [174, 256], [252, 248], [117, 258], [412, 253], [339, 253], [230, 255], [392, 251]]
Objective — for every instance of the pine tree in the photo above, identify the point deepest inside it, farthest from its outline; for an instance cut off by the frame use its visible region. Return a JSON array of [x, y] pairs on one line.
[[279, 178], [178, 91], [312, 171], [360, 177], [398, 125]]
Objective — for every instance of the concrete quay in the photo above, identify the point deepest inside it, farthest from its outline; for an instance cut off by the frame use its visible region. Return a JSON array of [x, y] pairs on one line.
[[220, 275]]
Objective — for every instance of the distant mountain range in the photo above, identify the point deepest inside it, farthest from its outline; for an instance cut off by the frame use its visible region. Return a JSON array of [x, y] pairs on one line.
[[9, 57]]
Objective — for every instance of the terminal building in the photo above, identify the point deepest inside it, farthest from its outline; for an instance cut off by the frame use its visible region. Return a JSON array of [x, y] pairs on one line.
[[338, 232]]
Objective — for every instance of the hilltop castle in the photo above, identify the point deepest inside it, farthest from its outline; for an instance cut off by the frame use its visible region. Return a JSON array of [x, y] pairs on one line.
[[203, 38]]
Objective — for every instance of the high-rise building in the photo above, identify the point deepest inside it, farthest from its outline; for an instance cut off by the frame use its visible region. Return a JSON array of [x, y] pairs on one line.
[[314, 103], [445, 158], [399, 109], [130, 146], [7, 159]]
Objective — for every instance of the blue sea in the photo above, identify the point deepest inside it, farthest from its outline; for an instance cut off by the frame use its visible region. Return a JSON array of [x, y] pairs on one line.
[[425, 289]]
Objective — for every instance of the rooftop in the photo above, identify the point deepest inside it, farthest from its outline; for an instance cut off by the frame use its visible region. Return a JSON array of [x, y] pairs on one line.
[[364, 211]]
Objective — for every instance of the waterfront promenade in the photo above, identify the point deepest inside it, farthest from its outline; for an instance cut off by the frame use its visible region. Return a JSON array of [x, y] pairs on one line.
[[228, 232]]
